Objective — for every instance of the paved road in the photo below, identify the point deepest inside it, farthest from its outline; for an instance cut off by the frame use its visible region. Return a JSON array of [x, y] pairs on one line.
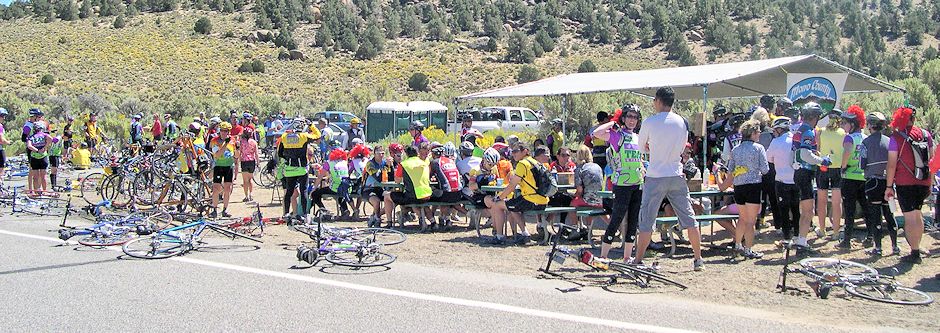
[[51, 286]]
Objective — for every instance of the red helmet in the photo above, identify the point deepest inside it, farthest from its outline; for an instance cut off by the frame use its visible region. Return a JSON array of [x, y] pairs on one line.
[[395, 148]]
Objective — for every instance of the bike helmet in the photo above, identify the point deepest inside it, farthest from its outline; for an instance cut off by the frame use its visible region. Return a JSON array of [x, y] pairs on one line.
[[784, 103], [4, 112], [450, 150], [782, 122], [214, 121], [416, 125], [194, 127], [35, 112], [855, 115], [834, 113], [556, 122], [877, 119], [491, 156], [138, 116], [767, 101], [225, 126], [467, 117], [736, 120], [39, 126], [466, 148], [395, 148], [719, 110], [355, 121], [811, 109], [792, 112]]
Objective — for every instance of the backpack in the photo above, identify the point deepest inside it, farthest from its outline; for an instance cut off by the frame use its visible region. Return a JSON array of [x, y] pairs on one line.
[[545, 183], [920, 150]]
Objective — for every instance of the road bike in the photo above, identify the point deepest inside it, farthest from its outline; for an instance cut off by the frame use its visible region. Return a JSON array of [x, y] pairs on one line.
[[639, 275], [177, 240], [351, 247], [857, 279], [250, 225]]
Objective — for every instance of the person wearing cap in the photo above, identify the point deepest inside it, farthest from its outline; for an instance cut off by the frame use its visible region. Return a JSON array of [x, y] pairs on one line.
[[157, 128], [903, 171], [136, 130], [225, 152], [355, 132], [807, 156], [172, 130], [853, 176], [555, 139], [878, 216], [466, 127], [327, 135], [830, 140], [248, 161], [786, 194], [3, 142], [37, 147]]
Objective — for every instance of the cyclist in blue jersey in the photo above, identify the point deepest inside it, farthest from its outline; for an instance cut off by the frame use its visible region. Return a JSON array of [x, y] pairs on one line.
[[806, 161]]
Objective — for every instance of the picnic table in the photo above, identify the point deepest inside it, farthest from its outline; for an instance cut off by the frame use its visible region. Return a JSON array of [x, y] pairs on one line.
[[500, 188]]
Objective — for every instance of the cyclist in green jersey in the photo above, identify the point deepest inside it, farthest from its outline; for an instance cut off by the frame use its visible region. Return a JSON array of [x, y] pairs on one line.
[[853, 176]]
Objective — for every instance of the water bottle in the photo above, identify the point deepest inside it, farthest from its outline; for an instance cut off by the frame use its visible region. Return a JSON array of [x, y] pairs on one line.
[[707, 205]]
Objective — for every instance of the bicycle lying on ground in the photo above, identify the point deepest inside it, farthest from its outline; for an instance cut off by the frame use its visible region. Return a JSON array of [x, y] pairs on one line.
[[351, 247], [858, 280], [177, 240], [114, 229], [640, 275]]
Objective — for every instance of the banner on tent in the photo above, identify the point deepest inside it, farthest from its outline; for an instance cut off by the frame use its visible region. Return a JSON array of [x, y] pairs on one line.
[[822, 88]]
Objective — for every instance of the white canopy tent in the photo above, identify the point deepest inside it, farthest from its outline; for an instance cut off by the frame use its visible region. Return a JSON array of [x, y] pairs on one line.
[[728, 80]]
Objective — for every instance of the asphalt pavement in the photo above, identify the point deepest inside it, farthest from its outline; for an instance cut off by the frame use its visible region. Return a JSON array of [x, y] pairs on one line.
[[47, 285]]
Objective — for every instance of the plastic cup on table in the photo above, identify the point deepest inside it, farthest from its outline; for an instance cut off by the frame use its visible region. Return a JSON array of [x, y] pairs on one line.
[[499, 182]]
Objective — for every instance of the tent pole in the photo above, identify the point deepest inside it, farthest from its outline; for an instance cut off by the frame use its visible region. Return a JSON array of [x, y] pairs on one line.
[[564, 112], [705, 171]]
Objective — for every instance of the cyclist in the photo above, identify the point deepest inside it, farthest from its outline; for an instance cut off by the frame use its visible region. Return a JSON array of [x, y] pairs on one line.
[[830, 140], [55, 157], [624, 159], [336, 174], [449, 183], [415, 174], [92, 132], [807, 156], [294, 150], [377, 170], [225, 152], [787, 196], [415, 129], [875, 163], [172, 129], [136, 130], [248, 161], [903, 171], [34, 115], [355, 132], [529, 200], [156, 130], [747, 165], [38, 146], [853, 176], [3, 142], [555, 139]]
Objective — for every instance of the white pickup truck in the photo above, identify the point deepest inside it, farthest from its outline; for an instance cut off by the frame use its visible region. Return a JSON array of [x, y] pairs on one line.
[[509, 118]]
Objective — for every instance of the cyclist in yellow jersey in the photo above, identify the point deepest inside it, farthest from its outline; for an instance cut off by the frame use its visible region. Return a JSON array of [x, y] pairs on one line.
[[92, 133], [524, 177], [224, 149], [830, 142], [294, 149]]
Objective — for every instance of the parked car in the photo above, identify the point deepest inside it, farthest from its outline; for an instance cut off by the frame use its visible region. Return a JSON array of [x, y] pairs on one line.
[[509, 118], [339, 118]]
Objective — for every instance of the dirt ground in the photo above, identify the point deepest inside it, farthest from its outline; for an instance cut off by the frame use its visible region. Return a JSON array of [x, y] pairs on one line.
[[743, 283]]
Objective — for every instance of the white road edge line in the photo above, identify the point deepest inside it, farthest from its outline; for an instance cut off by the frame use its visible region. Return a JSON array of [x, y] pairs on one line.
[[408, 294]]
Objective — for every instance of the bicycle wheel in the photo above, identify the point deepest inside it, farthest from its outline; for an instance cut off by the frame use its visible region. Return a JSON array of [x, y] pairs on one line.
[[99, 239], [45, 206], [265, 176], [889, 293], [156, 247], [353, 259], [147, 187], [117, 189], [198, 194], [90, 188], [377, 236], [830, 266], [648, 275]]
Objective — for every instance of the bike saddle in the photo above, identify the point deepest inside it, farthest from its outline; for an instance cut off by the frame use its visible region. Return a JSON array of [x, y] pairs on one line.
[[144, 230]]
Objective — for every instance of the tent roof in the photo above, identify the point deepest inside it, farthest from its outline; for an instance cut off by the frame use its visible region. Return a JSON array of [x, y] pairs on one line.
[[413, 106], [729, 80]]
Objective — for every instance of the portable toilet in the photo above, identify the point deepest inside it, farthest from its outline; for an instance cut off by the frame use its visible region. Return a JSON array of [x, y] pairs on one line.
[[386, 119]]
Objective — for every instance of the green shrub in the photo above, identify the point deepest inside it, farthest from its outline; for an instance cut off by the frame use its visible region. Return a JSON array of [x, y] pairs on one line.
[[119, 22], [46, 80], [418, 82], [257, 66], [528, 73], [245, 67], [587, 66], [203, 26]]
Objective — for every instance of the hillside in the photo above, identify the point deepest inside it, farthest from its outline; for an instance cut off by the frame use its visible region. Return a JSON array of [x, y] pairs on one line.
[[358, 51]]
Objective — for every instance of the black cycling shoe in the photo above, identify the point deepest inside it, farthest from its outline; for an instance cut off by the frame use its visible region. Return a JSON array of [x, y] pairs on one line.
[[913, 258]]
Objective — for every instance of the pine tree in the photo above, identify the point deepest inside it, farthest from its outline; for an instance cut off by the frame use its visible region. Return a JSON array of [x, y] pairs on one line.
[[85, 11], [518, 49], [544, 40], [374, 35], [119, 22], [392, 25]]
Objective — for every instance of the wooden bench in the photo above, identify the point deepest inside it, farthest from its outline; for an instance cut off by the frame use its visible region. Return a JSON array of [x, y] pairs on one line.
[[666, 224], [548, 211], [429, 204]]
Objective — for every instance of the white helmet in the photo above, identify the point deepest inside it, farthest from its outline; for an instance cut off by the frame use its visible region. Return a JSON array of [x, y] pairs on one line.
[[491, 156]]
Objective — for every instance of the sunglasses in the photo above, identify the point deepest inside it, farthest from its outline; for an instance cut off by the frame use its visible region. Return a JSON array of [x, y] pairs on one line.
[[565, 155], [630, 116]]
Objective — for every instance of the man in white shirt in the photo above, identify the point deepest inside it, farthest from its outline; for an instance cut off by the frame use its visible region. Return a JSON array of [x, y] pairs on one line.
[[663, 137], [780, 154]]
